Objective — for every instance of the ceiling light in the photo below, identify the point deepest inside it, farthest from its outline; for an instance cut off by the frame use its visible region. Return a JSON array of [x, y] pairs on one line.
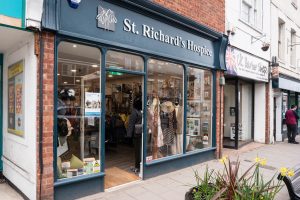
[[58, 74], [74, 45], [77, 81], [73, 70], [110, 76], [65, 82], [94, 65]]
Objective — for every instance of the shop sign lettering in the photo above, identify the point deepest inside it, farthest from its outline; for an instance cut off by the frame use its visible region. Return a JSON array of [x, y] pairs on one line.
[[106, 19], [245, 65], [159, 35]]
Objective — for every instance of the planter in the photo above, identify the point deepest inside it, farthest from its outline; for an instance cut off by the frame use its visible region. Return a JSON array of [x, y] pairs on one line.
[[189, 195]]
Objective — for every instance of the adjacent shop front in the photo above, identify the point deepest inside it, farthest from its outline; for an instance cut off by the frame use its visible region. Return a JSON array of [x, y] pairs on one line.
[[244, 98], [113, 57], [286, 91]]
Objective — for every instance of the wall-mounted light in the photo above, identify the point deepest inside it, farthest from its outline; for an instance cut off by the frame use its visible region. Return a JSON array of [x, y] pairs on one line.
[[74, 3]]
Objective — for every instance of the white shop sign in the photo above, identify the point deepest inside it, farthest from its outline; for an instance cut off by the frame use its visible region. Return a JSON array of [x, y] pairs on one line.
[[242, 64]]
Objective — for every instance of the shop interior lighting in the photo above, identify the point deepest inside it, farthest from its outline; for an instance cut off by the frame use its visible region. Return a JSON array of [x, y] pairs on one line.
[[94, 65], [74, 45]]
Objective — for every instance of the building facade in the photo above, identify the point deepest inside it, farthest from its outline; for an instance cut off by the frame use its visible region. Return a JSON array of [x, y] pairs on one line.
[[285, 62], [105, 57], [246, 92]]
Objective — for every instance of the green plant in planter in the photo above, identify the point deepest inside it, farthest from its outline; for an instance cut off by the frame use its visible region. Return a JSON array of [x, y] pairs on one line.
[[205, 188], [231, 184]]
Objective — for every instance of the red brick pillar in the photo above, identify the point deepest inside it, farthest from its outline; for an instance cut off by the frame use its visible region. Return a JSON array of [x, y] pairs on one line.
[[219, 114], [45, 190]]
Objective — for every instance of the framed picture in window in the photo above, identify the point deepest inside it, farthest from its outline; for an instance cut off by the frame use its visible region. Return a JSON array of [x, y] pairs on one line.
[[193, 108]]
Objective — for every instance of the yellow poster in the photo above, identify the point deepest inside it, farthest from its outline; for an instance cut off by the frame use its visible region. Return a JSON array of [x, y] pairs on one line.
[[16, 99]]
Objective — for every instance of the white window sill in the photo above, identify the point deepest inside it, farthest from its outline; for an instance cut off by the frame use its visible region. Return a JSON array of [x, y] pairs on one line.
[[281, 61], [252, 26], [293, 66]]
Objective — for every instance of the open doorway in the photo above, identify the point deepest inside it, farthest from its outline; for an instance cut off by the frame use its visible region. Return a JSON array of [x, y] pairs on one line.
[[122, 148]]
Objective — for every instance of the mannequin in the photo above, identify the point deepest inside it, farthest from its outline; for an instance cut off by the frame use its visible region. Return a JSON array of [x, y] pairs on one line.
[[168, 125]]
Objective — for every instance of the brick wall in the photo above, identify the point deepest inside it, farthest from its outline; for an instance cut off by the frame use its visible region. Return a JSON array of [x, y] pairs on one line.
[[210, 13], [219, 114], [48, 85]]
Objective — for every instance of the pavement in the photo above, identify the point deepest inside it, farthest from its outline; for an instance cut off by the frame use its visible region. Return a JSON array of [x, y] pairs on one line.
[[8, 193], [174, 185]]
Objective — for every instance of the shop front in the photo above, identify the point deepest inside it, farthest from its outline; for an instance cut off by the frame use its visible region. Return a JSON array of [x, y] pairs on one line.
[[119, 62], [286, 92], [244, 98]]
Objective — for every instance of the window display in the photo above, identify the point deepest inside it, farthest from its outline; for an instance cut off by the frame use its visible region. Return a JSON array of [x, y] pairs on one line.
[[165, 109], [199, 110], [78, 110]]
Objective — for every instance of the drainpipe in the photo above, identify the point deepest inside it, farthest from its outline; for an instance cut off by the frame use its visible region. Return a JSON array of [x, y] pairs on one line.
[[41, 105]]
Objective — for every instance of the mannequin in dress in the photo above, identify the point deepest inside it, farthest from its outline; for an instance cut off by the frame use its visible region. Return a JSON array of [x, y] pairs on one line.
[[179, 117], [168, 125]]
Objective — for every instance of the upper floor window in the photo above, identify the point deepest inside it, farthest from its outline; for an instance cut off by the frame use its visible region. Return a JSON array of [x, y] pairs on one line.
[[293, 48], [281, 39], [251, 12]]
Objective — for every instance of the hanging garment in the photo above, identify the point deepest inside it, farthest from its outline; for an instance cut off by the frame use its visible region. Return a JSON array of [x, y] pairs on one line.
[[168, 126], [179, 117]]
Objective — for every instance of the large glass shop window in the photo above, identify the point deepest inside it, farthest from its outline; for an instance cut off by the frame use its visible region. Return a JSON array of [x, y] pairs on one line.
[[165, 109], [199, 109], [78, 110]]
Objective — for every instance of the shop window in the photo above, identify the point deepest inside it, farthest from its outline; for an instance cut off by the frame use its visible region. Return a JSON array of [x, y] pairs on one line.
[[199, 109], [165, 109], [117, 60], [78, 110]]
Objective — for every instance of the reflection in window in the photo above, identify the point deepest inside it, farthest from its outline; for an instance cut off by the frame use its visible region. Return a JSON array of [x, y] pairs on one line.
[[119, 60], [78, 110], [165, 109], [199, 109]]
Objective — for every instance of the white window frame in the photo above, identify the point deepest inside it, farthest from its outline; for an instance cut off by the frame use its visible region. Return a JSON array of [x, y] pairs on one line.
[[281, 39], [254, 14], [292, 49]]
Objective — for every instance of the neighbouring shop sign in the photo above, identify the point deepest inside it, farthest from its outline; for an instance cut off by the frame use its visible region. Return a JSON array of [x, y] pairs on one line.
[[16, 99], [116, 25], [242, 64]]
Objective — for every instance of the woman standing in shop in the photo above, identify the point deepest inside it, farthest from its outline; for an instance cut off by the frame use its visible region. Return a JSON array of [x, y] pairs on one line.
[[135, 129]]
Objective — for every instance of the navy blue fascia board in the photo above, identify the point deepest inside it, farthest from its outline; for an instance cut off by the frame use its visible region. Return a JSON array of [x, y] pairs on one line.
[[57, 16], [49, 16]]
